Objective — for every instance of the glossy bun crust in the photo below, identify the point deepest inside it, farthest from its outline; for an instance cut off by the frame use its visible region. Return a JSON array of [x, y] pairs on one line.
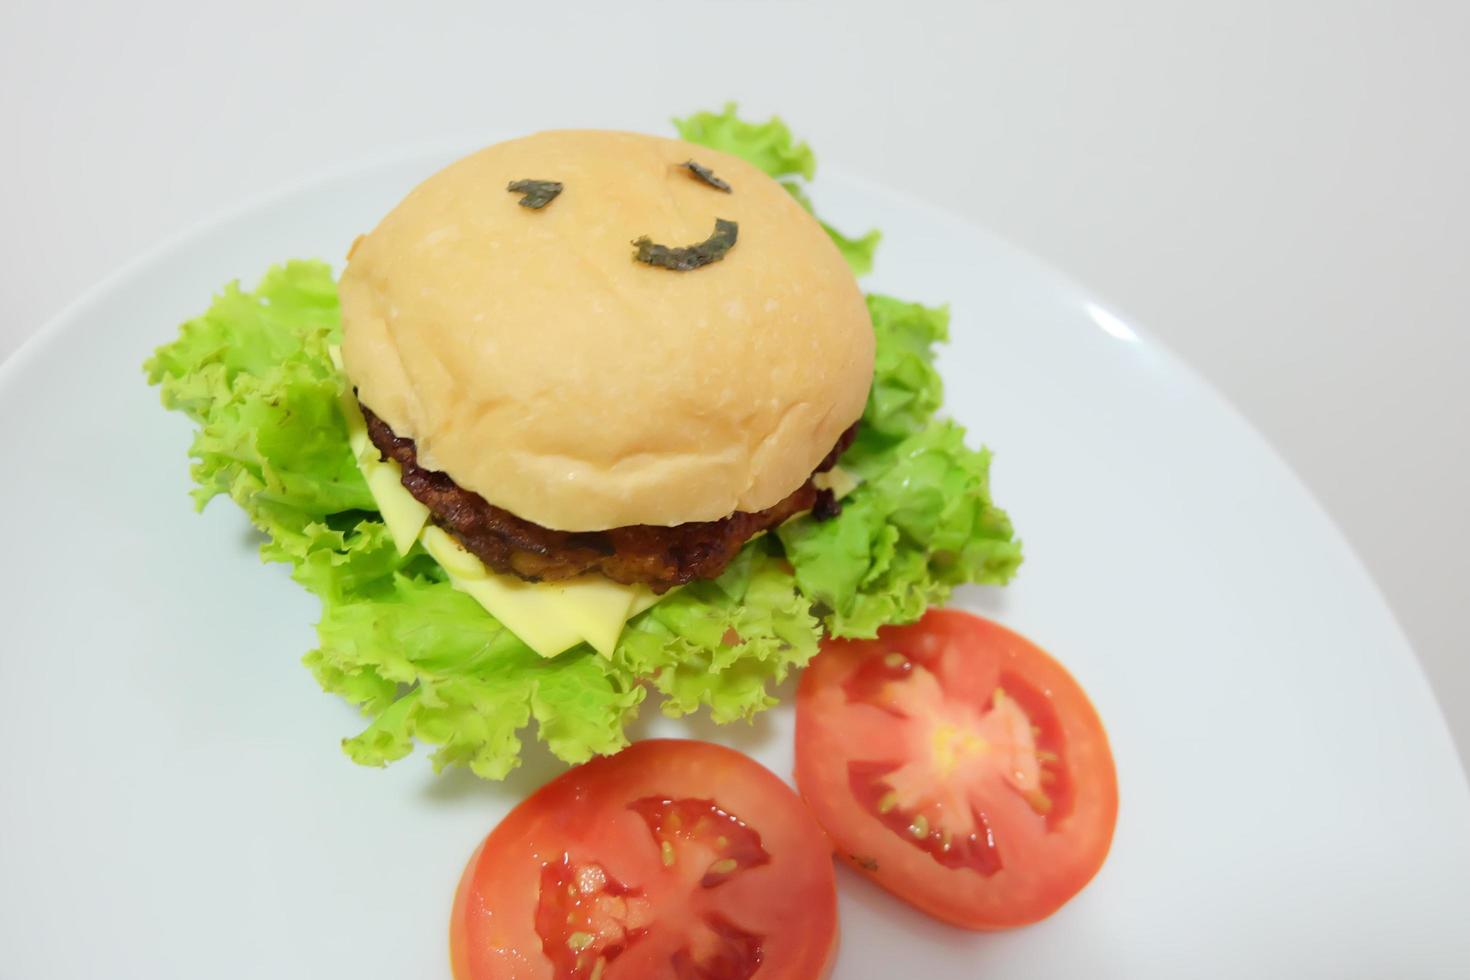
[[533, 361]]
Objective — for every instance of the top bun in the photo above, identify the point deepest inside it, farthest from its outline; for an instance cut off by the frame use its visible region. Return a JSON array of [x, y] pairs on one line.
[[534, 361]]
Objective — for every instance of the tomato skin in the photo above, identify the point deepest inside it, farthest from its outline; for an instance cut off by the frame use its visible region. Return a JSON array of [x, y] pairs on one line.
[[459, 955], [1047, 839], [691, 911]]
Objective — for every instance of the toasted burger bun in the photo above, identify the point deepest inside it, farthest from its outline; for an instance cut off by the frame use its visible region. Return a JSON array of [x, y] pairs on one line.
[[533, 361]]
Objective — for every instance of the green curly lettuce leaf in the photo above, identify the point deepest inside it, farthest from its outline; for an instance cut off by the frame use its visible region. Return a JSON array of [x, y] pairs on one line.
[[724, 644], [254, 374], [428, 665], [921, 523], [768, 145], [432, 666], [907, 390]]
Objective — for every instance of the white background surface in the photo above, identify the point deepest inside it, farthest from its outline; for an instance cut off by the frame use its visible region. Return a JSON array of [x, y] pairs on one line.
[[1275, 189]]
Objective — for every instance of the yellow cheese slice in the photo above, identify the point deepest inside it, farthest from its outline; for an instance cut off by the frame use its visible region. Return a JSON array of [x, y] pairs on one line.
[[596, 606], [527, 609], [645, 598], [549, 616], [402, 512]]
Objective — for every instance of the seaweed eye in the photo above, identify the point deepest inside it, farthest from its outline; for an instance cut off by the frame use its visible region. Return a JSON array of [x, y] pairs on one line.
[[538, 193], [700, 172]]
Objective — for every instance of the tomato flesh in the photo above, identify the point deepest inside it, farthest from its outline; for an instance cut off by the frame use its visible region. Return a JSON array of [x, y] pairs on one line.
[[702, 826], [974, 848], [673, 859], [734, 954], [584, 916], [959, 766]]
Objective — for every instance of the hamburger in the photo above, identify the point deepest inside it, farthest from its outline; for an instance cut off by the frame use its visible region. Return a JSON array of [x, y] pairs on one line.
[[588, 417], [563, 406], [562, 403]]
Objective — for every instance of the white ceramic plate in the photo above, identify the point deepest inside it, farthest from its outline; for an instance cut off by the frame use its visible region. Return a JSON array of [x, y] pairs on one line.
[[175, 803]]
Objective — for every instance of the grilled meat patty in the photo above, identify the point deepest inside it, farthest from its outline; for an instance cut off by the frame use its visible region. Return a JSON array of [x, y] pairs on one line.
[[660, 557]]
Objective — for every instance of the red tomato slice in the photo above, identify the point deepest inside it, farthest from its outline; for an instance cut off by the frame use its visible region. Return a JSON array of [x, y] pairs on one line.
[[959, 766], [670, 859]]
